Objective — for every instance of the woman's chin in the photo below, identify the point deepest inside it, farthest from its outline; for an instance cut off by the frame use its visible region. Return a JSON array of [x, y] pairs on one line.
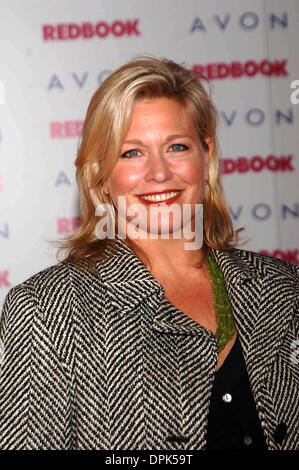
[[160, 230]]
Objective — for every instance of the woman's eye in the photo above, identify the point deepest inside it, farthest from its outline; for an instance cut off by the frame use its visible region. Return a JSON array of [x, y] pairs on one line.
[[130, 154], [178, 147]]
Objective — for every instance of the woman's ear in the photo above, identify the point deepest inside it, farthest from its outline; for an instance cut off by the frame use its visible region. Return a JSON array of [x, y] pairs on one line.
[[208, 155], [106, 187]]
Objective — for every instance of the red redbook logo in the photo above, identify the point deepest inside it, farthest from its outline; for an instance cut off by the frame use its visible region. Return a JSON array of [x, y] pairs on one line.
[[102, 29], [237, 69], [285, 255], [257, 164]]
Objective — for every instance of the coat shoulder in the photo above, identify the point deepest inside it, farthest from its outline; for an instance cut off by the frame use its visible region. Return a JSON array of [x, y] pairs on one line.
[[53, 286], [52, 278], [261, 262]]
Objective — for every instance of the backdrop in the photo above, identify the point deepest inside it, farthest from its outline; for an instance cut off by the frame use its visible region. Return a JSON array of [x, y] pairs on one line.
[[55, 53]]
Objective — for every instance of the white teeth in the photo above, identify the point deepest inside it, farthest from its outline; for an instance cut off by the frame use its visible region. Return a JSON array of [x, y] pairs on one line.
[[160, 197]]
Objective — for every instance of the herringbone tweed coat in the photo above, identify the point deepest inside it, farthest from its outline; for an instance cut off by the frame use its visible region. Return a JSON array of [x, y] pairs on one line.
[[107, 362]]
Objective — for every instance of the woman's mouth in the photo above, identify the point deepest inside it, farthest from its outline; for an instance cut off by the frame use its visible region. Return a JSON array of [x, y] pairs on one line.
[[160, 198]]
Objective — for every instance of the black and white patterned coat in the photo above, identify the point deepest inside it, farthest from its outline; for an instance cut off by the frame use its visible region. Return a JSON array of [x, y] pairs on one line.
[[106, 362]]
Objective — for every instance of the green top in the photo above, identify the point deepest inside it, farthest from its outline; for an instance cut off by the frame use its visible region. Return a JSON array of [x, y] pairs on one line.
[[224, 318]]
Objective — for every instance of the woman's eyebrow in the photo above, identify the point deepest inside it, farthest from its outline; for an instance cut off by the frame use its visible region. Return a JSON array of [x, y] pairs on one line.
[[168, 139], [134, 141], [177, 136]]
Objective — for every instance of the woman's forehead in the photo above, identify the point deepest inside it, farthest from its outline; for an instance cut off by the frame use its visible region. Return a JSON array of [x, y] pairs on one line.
[[166, 112]]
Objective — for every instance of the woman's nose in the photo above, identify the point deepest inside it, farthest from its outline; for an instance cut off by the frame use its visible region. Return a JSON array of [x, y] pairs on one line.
[[158, 168]]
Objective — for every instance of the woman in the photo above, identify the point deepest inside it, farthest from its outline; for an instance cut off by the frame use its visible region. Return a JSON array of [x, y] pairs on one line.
[[137, 340]]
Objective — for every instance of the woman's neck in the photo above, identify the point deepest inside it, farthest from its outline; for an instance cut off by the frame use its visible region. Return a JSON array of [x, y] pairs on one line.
[[170, 254]]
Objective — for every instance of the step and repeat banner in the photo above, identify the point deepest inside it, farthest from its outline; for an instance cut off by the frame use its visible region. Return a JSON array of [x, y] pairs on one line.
[[55, 53]]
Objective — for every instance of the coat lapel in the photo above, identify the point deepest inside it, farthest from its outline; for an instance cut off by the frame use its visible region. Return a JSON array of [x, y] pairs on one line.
[[132, 296], [263, 302]]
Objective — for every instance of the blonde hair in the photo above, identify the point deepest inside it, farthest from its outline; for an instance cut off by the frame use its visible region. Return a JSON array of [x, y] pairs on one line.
[[105, 127]]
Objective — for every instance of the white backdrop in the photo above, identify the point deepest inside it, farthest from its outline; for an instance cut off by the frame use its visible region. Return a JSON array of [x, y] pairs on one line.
[[54, 54]]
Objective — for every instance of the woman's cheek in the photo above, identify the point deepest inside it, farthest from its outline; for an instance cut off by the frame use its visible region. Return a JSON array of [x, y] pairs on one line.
[[124, 180], [190, 171]]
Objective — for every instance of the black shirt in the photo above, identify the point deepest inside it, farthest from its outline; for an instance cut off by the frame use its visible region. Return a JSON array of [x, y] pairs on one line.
[[233, 420]]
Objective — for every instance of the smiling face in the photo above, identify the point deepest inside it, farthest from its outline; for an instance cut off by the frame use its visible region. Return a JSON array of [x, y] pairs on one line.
[[162, 153]]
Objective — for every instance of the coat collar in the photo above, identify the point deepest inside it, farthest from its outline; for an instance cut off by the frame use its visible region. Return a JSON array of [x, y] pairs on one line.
[[249, 281], [129, 282]]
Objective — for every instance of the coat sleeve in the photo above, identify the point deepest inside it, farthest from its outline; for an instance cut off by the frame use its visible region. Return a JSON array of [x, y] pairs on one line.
[[36, 387], [15, 344]]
